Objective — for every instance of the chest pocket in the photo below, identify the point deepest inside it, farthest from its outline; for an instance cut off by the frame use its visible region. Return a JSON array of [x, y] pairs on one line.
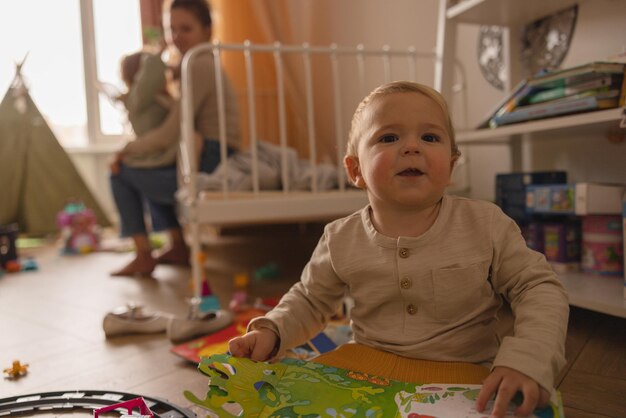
[[459, 291]]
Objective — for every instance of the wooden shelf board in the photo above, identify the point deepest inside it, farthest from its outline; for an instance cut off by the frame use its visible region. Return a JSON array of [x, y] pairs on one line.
[[505, 12], [598, 293], [607, 116]]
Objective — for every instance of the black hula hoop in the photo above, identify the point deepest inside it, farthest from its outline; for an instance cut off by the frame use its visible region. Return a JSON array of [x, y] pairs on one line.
[[52, 402]]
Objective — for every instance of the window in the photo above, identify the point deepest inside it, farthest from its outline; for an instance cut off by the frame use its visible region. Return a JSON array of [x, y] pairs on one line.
[[117, 32], [55, 72]]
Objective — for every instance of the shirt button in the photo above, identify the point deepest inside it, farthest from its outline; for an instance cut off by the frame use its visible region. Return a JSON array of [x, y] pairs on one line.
[[405, 283], [411, 309], [404, 252]]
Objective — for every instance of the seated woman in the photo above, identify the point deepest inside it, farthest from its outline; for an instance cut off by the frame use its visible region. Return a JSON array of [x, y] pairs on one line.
[[144, 171]]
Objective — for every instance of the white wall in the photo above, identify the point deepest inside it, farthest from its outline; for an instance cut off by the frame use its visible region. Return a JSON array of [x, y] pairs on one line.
[[399, 23]]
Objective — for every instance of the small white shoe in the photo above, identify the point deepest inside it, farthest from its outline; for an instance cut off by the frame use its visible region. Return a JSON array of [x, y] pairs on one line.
[[183, 329], [132, 319]]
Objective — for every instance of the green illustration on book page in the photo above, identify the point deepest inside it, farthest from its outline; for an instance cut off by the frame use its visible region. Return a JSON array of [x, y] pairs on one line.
[[296, 388]]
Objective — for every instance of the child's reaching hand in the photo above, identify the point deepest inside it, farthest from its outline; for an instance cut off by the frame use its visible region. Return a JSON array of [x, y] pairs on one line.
[[258, 345], [114, 165], [506, 382]]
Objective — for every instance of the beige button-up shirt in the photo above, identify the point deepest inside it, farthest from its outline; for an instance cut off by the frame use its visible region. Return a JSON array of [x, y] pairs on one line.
[[436, 296]]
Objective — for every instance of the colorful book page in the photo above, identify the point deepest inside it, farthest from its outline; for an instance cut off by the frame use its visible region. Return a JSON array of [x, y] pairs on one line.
[[317, 345], [290, 388], [217, 343]]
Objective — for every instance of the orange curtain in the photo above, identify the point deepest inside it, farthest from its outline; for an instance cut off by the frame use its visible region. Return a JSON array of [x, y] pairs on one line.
[[275, 17], [265, 22], [234, 23]]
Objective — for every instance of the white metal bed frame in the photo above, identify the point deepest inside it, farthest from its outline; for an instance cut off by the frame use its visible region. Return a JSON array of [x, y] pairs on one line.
[[228, 207]]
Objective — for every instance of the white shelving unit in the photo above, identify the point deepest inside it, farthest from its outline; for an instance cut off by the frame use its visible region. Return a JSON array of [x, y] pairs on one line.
[[504, 12], [597, 293], [601, 118], [603, 294]]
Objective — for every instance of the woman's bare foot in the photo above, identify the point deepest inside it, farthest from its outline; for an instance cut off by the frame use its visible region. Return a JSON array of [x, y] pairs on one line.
[[142, 265], [179, 256]]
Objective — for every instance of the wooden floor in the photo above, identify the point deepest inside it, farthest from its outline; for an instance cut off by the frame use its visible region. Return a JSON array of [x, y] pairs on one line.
[[52, 320]]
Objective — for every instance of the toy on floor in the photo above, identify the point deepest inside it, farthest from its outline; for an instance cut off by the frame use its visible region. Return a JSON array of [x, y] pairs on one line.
[[267, 271], [16, 266], [8, 249], [29, 264], [205, 289], [16, 370], [12, 266], [64, 403], [129, 405], [79, 230], [240, 296]]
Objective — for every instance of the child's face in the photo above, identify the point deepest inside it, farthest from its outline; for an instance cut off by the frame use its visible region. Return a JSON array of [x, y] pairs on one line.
[[185, 30], [404, 152]]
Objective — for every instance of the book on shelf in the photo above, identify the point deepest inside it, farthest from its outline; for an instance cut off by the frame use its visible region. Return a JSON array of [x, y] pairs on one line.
[[508, 102], [575, 199], [511, 190], [558, 85], [585, 101], [515, 101], [599, 84], [574, 75], [561, 241]]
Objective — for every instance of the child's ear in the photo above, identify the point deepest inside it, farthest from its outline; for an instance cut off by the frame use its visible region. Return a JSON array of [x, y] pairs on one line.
[[353, 169], [454, 160]]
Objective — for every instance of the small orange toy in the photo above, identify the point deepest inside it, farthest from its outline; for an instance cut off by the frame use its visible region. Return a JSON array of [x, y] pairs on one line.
[[12, 266], [16, 370]]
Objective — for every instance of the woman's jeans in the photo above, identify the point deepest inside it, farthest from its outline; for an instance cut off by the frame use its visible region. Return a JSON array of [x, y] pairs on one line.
[[155, 188]]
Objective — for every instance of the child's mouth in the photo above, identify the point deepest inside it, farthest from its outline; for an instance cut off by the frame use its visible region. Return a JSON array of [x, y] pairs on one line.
[[410, 172]]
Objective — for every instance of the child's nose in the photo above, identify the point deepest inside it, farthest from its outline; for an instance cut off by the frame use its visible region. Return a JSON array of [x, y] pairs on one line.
[[412, 146]]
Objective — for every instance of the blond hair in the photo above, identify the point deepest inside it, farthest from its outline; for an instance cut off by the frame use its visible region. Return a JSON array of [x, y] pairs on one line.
[[398, 87]]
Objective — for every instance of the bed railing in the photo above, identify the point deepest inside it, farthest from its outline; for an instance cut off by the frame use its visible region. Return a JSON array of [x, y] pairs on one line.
[[279, 51]]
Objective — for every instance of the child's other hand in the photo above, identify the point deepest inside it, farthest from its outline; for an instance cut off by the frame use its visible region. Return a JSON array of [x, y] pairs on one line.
[[506, 382], [257, 345], [114, 165]]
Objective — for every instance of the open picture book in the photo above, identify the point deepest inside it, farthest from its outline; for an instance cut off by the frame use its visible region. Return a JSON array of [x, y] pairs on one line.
[[298, 388]]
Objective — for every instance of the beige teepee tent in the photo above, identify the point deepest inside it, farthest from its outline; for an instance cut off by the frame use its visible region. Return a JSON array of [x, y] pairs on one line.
[[37, 177]]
